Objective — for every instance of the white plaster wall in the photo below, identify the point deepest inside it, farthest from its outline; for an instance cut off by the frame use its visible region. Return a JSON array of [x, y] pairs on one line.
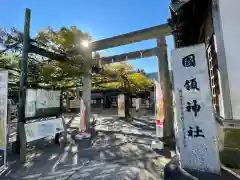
[[230, 21]]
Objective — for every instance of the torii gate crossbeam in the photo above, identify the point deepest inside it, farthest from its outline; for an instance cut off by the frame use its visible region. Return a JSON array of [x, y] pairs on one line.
[[132, 37], [130, 56]]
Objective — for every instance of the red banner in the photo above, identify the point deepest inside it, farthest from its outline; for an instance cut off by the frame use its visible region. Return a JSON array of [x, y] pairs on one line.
[[159, 105], [83, 116]]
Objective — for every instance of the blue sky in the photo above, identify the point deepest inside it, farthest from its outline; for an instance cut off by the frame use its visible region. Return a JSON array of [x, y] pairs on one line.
[[101, 18]]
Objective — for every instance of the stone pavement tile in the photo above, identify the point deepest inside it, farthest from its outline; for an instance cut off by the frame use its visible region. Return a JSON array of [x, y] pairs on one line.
[[110, 156], [112, 171], [126, 127], [124, 161], [127, 165], [139, 156], [54, 162]]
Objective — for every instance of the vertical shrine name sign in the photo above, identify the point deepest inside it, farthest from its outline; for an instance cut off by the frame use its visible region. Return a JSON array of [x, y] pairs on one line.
[[195, 129]]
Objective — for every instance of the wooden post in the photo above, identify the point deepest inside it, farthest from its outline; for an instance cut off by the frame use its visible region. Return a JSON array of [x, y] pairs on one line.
[[23, 148], [21, 139]]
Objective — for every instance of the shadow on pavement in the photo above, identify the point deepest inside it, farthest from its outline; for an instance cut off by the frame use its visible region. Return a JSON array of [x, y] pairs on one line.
[[148, 120], [107, 156], [126, 133], [142, 124]]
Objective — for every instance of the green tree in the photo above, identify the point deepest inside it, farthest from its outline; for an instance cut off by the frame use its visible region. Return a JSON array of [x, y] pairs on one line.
[[10, 62], [44, 71], [122, 76], [63, 40]]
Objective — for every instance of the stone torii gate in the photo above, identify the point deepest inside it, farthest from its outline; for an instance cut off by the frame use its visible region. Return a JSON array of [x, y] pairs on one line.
[[157, 32]]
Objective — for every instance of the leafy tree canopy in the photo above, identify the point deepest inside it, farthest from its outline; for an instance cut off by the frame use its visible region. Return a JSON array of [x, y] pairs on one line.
[[126, 79], [43, 70], [46, 71]]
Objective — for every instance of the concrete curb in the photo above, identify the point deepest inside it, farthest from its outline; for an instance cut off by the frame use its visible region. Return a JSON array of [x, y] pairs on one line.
[[230, 171], [173, 171]]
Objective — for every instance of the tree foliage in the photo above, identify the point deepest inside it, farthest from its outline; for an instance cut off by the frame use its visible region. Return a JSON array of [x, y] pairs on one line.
[[46, 71], [43, 70], [64, 39], [126, 79]]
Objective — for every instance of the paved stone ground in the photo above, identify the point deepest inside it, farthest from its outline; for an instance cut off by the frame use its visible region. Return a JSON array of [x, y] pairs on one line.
[[121, 151]]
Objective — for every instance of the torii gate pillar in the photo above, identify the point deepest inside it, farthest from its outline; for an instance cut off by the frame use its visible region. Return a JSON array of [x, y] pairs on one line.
[[87, 85], [164, 79]]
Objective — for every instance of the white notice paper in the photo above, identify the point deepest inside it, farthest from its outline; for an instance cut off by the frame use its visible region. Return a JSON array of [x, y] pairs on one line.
[[47, 99], [31, 98]]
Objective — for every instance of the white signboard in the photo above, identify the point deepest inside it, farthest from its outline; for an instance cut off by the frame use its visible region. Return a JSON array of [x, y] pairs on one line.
[[147, 103], [121, 105], [75, 103], [3, 112], [133, 102], [138, 103], [42, 129], [195, 129]]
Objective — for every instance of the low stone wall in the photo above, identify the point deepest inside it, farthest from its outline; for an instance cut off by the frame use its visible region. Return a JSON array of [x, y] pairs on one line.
[[220, 136], [229, 146], [230, 154]]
